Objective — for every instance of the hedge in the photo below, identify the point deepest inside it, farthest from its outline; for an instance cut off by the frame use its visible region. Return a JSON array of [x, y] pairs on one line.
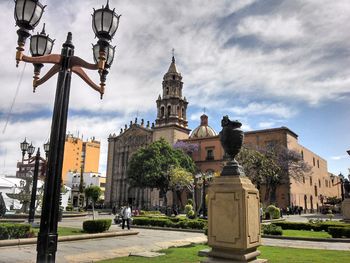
[[339, 232], [170, 222], [97, 226], [273, 211], [310, 226], [272, 230], [14, 231]]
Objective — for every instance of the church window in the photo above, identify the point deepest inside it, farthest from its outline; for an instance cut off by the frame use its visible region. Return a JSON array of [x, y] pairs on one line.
[[302, 154], [173, 77], [169, 111], [178, 111], [313, 160], [310, 180], [167, 90], [162, 112], [210, 154], [183, 113]]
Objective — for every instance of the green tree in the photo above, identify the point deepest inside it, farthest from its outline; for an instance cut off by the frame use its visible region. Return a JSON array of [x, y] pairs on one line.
[[93, 193], [152, 167], [272, 166], [2, 206]]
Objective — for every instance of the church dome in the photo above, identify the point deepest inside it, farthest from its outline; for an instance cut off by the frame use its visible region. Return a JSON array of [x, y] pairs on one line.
[[203, 130]]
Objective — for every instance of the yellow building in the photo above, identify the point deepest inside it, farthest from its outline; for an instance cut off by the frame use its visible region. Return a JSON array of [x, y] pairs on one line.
[[79, 154]]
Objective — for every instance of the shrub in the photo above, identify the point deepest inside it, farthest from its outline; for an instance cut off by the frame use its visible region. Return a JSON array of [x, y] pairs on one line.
[[69, 208], [188, 208], [272, 230], [170, 222], [143, 213], [13, 231], [97, 226], [273, 212], [338, 232], [190, 202], [322, 226]]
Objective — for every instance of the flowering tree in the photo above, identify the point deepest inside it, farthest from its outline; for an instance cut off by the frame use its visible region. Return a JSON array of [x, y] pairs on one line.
[[186, 147]]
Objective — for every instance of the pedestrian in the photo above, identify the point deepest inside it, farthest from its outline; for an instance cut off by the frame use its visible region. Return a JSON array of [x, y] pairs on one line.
[[126, 215], [299, 210]]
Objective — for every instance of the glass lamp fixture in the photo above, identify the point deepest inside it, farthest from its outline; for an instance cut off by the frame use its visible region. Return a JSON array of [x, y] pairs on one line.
[[41, 44], [47, 147], [105, 23], [31, 150], [28, 13], [24, 145], [109, 54]]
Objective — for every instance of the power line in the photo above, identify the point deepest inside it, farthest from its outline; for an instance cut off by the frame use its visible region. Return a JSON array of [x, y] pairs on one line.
[[14, 99]]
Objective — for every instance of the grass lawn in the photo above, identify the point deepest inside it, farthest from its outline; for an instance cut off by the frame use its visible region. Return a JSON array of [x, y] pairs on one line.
[[64, 231], [273, 254], [304, 233]]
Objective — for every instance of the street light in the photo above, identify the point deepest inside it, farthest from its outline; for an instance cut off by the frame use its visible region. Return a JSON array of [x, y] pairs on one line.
[[105, 24], [202, 181], [24, 147], [47, 148]]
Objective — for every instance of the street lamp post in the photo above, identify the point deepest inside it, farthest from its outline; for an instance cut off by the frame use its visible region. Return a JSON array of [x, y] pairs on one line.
[[202, 181], [105, 24]]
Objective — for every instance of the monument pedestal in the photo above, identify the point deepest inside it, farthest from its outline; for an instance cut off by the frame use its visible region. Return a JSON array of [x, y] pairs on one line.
[[345, 208], [233, 220]]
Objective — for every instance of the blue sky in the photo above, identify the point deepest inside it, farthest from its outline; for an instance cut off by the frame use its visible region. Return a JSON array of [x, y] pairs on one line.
[[268, 63]]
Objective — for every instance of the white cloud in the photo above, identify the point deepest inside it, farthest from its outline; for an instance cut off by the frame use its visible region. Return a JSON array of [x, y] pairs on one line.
[[339, 157], [254, 108]]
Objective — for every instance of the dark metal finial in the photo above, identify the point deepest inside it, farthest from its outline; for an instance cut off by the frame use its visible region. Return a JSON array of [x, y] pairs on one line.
[[43, 30], [107, 5], [69, 38]]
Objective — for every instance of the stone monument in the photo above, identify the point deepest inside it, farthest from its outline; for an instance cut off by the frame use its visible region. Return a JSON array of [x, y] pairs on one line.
[[233, 219]]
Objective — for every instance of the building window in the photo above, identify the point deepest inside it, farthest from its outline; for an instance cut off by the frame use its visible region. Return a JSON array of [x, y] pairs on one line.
[[319, 183], [326, 181], [210, 154], [318, 163], [169, 111], [271, 144], [302, 154], [315, 190], [310, 180], [167, 90], [304, 179], [162, 112], [313, 159]]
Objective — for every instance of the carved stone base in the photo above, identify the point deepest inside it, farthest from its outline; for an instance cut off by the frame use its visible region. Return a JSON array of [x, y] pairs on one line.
[[345, 208], [232, 256]]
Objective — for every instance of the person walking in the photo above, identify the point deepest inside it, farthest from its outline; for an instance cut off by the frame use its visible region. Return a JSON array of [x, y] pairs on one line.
[[126, 214]]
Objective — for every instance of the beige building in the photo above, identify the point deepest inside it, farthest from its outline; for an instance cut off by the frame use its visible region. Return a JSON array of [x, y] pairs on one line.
[[309, 191], [80, 154]]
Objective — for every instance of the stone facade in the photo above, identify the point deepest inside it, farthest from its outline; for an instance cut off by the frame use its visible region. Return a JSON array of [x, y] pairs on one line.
[[170, 124], [309, 191]]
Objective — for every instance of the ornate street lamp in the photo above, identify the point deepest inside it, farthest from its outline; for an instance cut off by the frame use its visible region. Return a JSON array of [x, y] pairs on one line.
[[105, 24], [47, 148], [24, 147], [31, 150], [40, 45]]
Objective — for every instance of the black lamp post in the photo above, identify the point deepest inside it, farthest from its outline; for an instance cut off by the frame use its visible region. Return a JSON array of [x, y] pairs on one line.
[[202, 181], [47, 148], [34, 188], [105, 23]]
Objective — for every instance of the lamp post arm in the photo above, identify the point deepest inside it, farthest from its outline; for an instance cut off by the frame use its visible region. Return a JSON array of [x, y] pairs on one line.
[[81, 73], [55, 69], [77, 61], [52, 59]]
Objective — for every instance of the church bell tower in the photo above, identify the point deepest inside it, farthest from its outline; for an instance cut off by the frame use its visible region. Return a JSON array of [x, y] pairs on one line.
[[171, 122]]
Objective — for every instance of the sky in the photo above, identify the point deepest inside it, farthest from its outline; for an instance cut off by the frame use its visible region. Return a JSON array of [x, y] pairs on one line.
[[267, 63]]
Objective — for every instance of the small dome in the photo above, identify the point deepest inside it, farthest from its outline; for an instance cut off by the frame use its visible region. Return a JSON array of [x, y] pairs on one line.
[[203, 130]]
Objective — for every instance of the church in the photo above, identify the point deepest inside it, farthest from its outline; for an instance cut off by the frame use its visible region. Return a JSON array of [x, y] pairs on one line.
[[170, 124], [309, 191]]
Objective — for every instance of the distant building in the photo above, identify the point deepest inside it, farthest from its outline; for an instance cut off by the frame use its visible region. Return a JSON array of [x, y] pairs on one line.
[[80, 154], [171, 124], [89, 179], [309, 192]]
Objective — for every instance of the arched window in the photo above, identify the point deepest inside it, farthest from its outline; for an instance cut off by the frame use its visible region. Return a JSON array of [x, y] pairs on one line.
[[167, 90], [178, 111], [183, 113], [169, 110], [162, 112]]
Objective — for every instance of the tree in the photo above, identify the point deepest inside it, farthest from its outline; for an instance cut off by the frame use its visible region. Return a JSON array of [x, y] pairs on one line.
[[179, 179], [2, 206], [272, 166], [93, 193], [151, 166]]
